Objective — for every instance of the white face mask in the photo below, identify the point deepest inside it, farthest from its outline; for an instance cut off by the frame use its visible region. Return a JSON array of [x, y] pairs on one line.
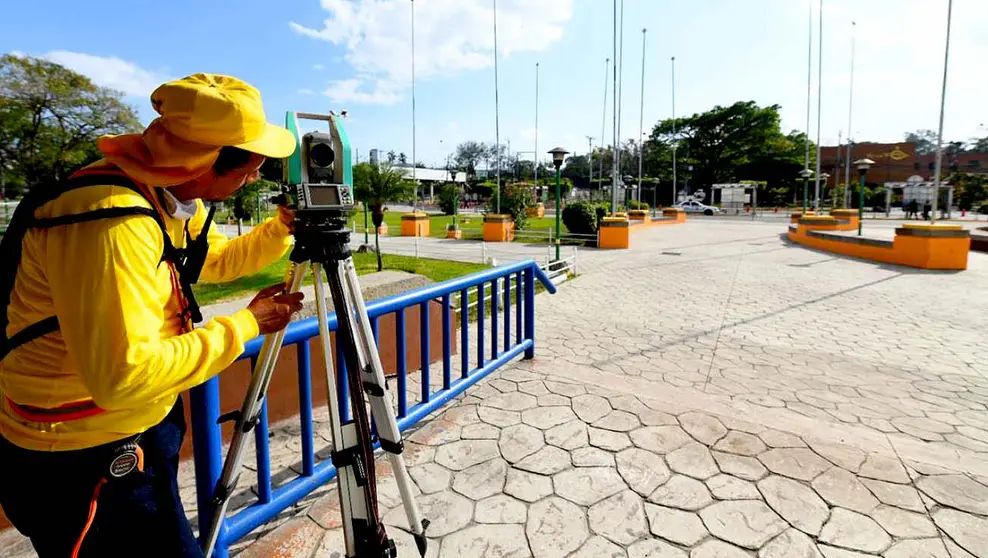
[[179, 209]]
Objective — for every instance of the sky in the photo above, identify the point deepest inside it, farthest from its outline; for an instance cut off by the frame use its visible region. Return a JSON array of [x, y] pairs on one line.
[[321, 55]]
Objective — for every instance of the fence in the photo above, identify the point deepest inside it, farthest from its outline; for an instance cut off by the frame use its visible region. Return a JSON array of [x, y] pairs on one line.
[[207, 437]]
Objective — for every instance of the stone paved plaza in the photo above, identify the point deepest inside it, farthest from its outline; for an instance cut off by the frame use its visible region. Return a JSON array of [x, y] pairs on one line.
[[712, 393]]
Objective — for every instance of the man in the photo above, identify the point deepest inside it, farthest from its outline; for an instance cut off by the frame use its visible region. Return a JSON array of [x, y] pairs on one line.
[[99, 337]]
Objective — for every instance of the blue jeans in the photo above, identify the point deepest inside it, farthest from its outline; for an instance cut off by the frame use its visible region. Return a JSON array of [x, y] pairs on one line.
[[46, 496]]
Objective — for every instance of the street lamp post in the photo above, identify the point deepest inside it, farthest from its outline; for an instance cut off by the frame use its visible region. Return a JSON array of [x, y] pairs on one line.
[[863, 166], [805, 174], [824, 177], [558, 155]]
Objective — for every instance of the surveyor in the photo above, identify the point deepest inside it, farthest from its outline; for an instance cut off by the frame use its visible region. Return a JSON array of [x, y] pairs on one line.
[[99, 313]]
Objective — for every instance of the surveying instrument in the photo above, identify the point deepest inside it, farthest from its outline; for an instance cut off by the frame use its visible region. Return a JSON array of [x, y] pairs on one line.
[[318, 184]]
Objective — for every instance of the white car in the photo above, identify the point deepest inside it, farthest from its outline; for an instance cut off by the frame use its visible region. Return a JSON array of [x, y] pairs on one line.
[[693, 206]]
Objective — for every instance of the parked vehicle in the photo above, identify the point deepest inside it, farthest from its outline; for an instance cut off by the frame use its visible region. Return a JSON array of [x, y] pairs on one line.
[[693, 206]]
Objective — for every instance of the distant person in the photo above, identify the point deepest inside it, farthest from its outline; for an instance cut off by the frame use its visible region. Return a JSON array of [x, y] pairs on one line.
[[927, 208], [99, 321], [912, 209]]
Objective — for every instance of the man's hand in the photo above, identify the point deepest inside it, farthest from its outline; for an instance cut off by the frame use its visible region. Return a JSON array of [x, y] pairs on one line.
[[273, 310], [287, 216]]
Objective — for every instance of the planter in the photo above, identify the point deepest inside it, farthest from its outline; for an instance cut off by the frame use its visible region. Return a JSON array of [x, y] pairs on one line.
[[454, 233], [614, 233], [415, 224], [498, 228], [537, 211]]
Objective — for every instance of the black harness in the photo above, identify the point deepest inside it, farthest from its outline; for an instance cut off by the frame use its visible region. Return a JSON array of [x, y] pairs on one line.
[[188, 261]]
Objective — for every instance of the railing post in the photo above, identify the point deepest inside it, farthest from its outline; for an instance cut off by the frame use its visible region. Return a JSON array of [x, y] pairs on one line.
[[401, 363], [530, 311], [424, 346], [207, 447], [494, 317], [481, 318], [574, 260], [305, 408], [518, 306], [464, 333], [447, 342], [507, 313]]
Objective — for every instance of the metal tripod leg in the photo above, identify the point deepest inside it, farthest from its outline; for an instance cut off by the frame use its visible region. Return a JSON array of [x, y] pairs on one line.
[[381, 408], [246, 418]]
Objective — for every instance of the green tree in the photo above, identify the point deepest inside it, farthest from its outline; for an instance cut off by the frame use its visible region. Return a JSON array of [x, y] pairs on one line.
[[449, 198], [50, 118], [468, 156], [925, 140], [376, 185]]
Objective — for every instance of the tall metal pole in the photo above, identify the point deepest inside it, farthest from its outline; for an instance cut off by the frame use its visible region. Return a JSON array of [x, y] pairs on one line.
[[641, 126], [809, 89], [943, 101], [603, 120], [558, 211], [590, 163], [850, 132], [819, 110], [615, 171], [536, 156], [497, 123], [414, 173], [619, 97], [675, 188]]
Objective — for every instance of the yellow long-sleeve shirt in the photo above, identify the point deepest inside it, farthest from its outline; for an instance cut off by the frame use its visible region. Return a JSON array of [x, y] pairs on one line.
[[120, 341]]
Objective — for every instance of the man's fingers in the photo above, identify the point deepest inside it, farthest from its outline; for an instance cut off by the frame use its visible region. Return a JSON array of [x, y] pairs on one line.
[[273, 290]]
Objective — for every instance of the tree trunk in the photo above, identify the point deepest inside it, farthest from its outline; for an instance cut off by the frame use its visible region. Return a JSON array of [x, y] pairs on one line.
[[377, 250]]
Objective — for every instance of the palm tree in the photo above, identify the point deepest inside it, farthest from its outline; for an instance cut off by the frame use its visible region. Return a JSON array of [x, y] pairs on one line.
[[376, 185]]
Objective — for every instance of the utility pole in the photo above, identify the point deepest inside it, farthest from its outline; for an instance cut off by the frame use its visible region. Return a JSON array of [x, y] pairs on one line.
[[536, 162], [497, 122], [603, 120], [850, 133], [943, 100], [615, 171], [675, 187], [819, 107], [589, 163], [641, 126]]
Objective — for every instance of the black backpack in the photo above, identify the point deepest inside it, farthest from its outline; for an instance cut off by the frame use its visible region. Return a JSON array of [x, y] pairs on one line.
[[188, 261]]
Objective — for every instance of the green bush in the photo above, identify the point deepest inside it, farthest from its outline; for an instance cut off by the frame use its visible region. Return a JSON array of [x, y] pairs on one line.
[[984, 208], [514, 202], [581, 217], [637, 205], [449, 198], [603, 209]]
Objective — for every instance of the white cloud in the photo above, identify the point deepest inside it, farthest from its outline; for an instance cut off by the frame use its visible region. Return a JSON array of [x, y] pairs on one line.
[[110, 71], [318, 67], [306, 92], [451, 36]]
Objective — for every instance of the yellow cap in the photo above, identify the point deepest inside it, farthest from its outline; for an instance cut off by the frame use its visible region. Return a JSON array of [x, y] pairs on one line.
[[221, 111]]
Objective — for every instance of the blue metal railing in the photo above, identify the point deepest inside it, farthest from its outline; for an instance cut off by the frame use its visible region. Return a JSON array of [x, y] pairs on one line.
[[205, 399]]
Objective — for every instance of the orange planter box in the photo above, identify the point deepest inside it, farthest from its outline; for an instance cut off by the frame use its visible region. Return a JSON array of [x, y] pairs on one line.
[[639, 216], [498, 228], [415, 224], [915, 245], [614, 233], [848, 217], [674, 213]]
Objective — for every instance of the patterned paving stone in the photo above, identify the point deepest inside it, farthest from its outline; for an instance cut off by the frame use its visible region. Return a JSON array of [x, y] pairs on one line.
[[555, 527], [779, 439], [447, 512], [504, 386], [920, 548], [498, 417], [545, 418], [512, 401], [796, 463], [883, 468], [460, 414], [746, 523], [749, 468], [528, 487], [968, 531], [599, 547], [790, 544], [643, 470], [851, 530], [482, 480], [568, 436], [620, 518], [841, 488], [693, 460], [904, 524], [956, 491], [683, 493], [547, 461], [565, 388], [519, 441], [533, 387], [717, 549], [834, 552], [608, 440], [654, 548], [899, 495], [466, 453], [726, 487], [484, 541], [431, 477], [704, 428], [846, 457], [588, 485], [659, 439], [592, 457], [553, 400], [500, 508], [674, 525], [795, 502], [436, 433], [480, 431], [590, 408], [740, 443], [618, 421]]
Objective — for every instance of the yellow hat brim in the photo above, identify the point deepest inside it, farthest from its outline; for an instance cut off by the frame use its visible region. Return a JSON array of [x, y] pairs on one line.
[[276, 143]]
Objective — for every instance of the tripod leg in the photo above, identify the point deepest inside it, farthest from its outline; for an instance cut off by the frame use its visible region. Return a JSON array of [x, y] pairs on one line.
[[381, 409], [353, 501], [246, 418]]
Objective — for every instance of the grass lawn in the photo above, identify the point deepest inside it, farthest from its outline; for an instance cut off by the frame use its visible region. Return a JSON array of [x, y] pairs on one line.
[[435, 270], [472, 225]]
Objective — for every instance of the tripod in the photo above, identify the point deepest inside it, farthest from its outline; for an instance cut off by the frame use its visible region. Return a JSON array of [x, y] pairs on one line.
[[322, 240]]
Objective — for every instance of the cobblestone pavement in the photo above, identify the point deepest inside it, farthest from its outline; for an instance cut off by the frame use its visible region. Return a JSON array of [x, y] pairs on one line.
[[713, 392]]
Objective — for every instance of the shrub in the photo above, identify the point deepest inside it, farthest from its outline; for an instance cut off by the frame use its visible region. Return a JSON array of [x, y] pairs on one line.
[[581, 217], [984, 208], [637, 205], [514, 202], [603, 209], [449, 198]]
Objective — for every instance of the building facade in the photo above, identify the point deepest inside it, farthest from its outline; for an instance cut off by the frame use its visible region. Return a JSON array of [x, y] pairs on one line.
[[896, 162]]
